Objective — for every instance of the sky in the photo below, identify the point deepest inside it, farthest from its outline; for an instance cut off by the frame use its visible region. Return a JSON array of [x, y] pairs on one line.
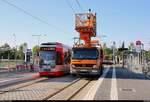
[[118, 20]]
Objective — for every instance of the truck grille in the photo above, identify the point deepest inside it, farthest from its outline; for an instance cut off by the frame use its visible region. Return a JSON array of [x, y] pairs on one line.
[[84, 65]]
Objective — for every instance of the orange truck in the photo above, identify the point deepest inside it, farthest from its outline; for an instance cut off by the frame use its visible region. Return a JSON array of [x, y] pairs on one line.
[[87, 57], [87, 61]]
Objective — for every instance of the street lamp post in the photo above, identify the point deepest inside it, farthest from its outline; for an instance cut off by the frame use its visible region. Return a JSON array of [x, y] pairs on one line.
[[114, 52], [15, 48], [143, 57], [38, 38]]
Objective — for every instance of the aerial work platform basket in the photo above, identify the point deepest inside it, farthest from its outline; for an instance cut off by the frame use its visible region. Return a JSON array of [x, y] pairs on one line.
[[86, 23]]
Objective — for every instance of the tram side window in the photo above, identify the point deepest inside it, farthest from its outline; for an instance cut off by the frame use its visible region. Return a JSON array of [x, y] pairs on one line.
[[58, 59]]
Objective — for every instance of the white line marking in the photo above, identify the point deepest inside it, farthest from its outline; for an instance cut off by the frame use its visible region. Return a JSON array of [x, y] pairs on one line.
[[132, 90], [92, 91], [114, 91]]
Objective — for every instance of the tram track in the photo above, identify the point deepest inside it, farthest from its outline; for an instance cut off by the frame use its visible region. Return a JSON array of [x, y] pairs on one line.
[[69, 91], [46, 89], [17, 81], [21, 85], [36, 90]]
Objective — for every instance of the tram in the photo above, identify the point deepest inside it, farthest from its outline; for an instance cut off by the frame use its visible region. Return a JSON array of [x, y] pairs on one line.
[[54, 59]]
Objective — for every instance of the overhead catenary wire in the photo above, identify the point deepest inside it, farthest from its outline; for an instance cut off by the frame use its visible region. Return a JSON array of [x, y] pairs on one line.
[[81, 8], [33, 16], [69, 4]]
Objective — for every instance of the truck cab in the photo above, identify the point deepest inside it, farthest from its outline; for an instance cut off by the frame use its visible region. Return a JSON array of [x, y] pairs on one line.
[[86, 61]]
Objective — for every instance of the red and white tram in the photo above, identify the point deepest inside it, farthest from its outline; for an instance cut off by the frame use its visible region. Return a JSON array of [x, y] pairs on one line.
[[54, 59]]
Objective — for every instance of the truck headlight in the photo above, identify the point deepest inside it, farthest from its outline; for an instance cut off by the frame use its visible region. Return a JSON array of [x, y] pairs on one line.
[[73, 66], [94, 66]]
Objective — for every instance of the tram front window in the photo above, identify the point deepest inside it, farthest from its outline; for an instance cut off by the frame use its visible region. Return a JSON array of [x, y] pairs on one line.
[[47, 57]]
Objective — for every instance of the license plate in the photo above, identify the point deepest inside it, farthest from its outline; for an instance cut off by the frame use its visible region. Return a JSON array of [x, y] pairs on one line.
[[94, 70], [47, 69], [83, 70]]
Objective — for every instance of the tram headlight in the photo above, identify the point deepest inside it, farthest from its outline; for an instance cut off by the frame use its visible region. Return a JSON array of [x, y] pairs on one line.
[[52, 65]]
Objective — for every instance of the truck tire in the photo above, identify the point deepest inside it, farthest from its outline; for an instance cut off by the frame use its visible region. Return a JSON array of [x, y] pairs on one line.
[[101, 70], [74, 75]]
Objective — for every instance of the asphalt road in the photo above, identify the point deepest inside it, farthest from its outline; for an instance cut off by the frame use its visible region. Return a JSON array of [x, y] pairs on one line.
[[126, 85]]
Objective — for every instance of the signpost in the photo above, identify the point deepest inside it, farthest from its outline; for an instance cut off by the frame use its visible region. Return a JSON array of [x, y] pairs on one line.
[[25, 53], [122, 49], [114, 52]]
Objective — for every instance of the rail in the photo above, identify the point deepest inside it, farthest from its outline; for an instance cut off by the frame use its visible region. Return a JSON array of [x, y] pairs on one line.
[[71, 90], [18, 86]]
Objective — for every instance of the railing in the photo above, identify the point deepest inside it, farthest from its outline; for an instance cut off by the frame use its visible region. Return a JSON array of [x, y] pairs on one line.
[[16, 66]]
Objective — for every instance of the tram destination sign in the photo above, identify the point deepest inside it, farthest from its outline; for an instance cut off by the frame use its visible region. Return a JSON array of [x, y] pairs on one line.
[[47, 49]]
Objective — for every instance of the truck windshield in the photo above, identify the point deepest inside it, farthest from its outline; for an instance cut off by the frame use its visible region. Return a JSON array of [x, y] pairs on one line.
[[85, 54], [47, 57]]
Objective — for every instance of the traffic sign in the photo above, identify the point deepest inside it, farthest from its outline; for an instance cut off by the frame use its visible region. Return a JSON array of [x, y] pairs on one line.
[[138, 42], [138, 46]]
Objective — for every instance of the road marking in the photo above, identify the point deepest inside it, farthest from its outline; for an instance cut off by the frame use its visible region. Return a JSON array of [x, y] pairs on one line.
[[92, 91], [127, 89], [114, 91]]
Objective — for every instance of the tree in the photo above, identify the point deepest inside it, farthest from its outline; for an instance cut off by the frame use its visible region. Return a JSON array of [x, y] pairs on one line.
[[35, 49], [107, 51], [12, 53], [148, 54], [20, 54], [4, 51]]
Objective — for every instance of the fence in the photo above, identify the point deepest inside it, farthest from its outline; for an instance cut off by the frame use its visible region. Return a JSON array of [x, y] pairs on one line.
[[16, 66], [137, 62]]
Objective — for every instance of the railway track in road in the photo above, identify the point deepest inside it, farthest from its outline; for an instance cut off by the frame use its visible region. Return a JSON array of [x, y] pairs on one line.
[[21, 85], [11, 81], [59, 88], [69, 91], [65, 92], [75, 89], [36, 90]]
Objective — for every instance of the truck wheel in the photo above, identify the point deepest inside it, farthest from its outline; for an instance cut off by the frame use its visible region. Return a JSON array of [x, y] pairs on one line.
[[101, 70], [74, 75]]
